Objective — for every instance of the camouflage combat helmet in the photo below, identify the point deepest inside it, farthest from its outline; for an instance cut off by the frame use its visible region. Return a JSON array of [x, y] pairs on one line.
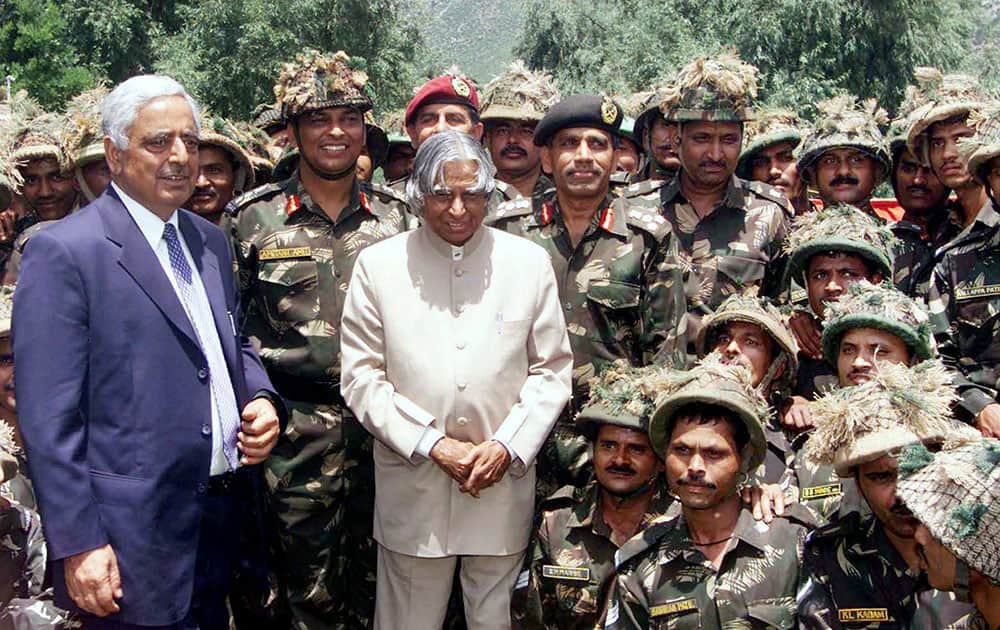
[[844, 123], [938, 97], [223, 133], [771, 127], [751, 309], [256, 142], [837, 228], [956, 495], [899, 126], [647, 108], [721, 88], [984, 146], [39, 138], [518, 93], [620, 395], [900, 406], [394, 125], [882, 307], [12, 114], [317, 80], [83, 137], [9, 451], [711, 382], [265, 116]]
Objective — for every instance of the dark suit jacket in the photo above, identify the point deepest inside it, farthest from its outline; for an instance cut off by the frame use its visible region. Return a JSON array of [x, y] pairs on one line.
[[114, 398]]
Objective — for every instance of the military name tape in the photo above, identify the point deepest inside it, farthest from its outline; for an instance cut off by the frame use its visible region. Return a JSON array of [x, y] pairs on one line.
[[670, 608], [285, 252], [820, 492], [566, 573], [972, 293], [848, 615]]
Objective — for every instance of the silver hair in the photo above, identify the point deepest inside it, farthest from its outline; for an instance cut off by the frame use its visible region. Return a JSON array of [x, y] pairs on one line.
[[447, 146], [122, 105]]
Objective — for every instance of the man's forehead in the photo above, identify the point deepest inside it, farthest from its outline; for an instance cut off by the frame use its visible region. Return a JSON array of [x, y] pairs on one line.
[[41, 166], [869, 336], [437, 108], [616, 433], [581, 133], [716, 127], [835, 259], [778, 149], [747, 328], [844, 152], [511, 122], [950, 129]]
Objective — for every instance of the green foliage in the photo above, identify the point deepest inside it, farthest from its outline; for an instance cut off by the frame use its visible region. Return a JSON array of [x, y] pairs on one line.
[[35, 52], [229, 53], [806, 49]]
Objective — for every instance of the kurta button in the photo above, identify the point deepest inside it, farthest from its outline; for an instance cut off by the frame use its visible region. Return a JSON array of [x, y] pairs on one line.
[[206, 429], [462, 421], [460, 272], [460, 345], [462, 386], [568, 306], [202, 374]]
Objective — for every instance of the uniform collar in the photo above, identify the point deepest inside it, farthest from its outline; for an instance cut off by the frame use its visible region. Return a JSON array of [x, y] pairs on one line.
[[454, 253], [610, 217], [296, 199], [732, 199]]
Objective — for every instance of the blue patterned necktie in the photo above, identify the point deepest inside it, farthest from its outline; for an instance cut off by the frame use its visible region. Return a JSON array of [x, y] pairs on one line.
[[229, 416]]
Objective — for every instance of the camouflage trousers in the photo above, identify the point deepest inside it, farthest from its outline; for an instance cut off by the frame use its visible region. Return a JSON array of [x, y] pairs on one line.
[[565, 459], [321, 487]]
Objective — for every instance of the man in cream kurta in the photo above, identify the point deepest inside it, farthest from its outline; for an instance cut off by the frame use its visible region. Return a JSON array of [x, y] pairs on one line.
[[444, 343]]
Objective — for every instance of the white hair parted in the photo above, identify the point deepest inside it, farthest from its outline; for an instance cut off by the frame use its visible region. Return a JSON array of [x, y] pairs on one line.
[[122, 104], [447, 146]]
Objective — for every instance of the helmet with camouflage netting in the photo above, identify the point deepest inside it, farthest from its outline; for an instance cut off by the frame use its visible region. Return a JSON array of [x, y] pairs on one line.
[[720, 88], [772, 126], [846, 123], [518, 93], [223, 133], [318, 80], [620, 395], [938, 97]]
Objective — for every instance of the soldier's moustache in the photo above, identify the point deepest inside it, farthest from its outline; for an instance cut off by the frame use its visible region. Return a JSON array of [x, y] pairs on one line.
[[853, 181], [699, 483], [513, 150], [716, 164], [624, 470]]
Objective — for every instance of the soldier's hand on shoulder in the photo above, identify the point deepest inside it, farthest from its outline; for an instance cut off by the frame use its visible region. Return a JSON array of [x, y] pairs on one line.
[[797, 417], [807, 332], [766, 501], [988, 420]]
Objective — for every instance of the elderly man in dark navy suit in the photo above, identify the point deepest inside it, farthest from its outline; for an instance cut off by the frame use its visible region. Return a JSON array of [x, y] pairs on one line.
[[143, 409]]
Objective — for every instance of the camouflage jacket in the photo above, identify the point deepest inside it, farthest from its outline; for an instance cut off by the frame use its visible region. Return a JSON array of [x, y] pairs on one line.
[[22, 552], [964, 302], [814, 377], [294, 265], [663, 581], [620, 286], [854, 578], [506, 192], [571, 560], [914, 254], [826, 496], [735, 246]]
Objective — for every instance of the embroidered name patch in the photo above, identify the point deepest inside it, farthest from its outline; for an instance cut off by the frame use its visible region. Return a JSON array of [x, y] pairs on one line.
[[670, 608], [820, 492], [971, 293], [848, 615], [581, 574], [285, 252]]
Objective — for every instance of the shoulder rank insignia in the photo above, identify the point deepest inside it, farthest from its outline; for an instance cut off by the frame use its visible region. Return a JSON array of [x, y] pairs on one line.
[[579, 574], [292, 205], [607, 220]]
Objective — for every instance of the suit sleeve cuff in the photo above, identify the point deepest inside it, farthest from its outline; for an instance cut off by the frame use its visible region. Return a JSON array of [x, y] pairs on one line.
[[427, 442]]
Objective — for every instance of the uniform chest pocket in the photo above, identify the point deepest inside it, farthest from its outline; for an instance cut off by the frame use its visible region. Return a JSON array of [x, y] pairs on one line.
[[977, 312], [579, 598], [290, 289], [679, 615], [736, 272], [771, 615], [614, 308]]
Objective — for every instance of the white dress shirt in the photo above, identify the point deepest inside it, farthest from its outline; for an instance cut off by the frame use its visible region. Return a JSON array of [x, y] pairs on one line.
[[200, 314]]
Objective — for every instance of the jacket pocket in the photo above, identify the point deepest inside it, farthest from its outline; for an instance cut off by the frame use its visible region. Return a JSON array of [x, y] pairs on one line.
[[290, 290]]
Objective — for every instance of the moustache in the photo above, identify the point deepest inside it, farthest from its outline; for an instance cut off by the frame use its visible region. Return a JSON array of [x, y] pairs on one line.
[[512, 150], [624, 470], [203, 190], [713, 163], [844, 180], [173, 171], [686, 481], [900, 509], [918, 188]]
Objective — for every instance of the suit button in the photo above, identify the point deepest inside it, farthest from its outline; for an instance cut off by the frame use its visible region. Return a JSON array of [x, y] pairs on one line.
[[568, 306], [202, 374], [459, 272], [206, 429], [462, 386], [202, 487], [462, 421]]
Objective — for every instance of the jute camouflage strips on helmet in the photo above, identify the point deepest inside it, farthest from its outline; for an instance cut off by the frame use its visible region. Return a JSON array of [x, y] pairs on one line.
[[81, 133], [722, 88], [980, 149], [622, 395], [645, 107], [223, 133], [844, 122], [266, 115], [956, 494], [13, 115], [318, 80], [711, 382], [749, 308], [938, 96], [881, 307], [518, 93], [771, 127], [900, 406], [837, 228]]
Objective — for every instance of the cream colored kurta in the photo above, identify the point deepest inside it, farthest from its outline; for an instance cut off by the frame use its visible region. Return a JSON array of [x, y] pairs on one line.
[[469, 340]]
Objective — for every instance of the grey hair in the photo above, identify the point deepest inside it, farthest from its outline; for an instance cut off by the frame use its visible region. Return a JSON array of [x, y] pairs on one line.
[[447, 146], [122, 105]]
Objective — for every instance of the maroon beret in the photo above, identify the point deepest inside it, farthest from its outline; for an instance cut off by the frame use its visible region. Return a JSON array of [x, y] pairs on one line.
[[443, 89]]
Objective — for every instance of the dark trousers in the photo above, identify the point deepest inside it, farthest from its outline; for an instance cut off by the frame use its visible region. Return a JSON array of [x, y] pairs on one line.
[[217, 553]]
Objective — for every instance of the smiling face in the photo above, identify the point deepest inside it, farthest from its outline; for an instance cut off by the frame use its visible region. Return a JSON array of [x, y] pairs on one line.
[[48, 190], [159, 167], [581, 161], [623, 459], [330, 140], [452, 212]]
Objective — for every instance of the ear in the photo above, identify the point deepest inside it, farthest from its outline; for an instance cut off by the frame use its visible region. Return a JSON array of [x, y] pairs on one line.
[[113, 156], [477, 131], [546, 155], [293, 140], [411, 130]]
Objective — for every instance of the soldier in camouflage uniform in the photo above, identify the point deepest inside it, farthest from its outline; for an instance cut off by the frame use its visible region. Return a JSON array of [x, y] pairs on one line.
[[955, 495], [297, 242], [83, 140], [615, 267], [964, 298], [925, 225], [768, 156], [657, 136], [713, 566], [729, 230], [225, 170], [862, 571], [845, 155], [268, 118], [511, 107], [570, 564]]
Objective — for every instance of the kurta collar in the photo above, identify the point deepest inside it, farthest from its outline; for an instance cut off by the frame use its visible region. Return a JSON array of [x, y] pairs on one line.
[[454, 253]]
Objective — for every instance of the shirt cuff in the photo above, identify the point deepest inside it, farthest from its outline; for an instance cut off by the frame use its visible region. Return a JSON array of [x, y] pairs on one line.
[[427, 442]]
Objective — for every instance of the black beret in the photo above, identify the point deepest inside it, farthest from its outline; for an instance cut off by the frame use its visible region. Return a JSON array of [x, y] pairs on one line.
[[580, 110]]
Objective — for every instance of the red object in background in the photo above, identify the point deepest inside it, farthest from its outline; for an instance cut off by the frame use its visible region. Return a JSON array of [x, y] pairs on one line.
[[887, 209]]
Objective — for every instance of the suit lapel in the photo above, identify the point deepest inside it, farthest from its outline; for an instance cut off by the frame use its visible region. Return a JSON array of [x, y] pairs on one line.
[[140, 262], [207, 264]]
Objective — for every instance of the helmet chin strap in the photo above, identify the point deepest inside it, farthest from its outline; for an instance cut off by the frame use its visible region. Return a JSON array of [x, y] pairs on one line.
[[321, 173], [962, 591]]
